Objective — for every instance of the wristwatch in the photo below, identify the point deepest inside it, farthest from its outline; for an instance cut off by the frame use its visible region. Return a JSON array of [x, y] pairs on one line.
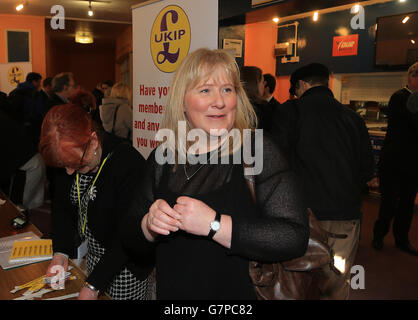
[[215, 225]]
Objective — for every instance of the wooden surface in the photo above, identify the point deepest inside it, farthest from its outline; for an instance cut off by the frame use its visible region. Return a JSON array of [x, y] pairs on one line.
[[8, 211], [21, 275]]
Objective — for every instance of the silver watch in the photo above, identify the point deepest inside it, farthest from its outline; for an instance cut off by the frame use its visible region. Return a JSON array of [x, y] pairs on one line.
[[215, 225]]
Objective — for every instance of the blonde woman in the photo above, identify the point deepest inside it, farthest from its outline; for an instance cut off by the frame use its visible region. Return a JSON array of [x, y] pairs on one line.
[[116, 111], [200, 216]]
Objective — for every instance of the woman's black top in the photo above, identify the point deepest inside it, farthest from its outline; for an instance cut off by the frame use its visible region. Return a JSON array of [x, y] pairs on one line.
[[195, 267], [115, 188]]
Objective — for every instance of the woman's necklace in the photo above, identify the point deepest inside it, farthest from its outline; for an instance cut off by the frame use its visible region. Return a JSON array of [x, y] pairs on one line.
[[189, 177]]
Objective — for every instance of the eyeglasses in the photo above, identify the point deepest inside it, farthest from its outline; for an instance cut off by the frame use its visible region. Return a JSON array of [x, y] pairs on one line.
[[84, 152], [81, 165]]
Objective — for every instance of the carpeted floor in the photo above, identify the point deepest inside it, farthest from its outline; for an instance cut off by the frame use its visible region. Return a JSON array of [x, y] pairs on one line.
[[389, 273]]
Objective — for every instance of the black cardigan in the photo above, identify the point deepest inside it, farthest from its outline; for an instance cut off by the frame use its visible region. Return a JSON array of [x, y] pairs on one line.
[[115, 186], [280, 234]]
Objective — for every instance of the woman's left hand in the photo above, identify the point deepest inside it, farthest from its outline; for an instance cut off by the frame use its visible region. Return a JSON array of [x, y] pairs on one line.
[[196, 216], [87, 294]]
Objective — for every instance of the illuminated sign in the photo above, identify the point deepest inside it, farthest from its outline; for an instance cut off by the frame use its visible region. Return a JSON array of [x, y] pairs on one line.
[[345, 46]]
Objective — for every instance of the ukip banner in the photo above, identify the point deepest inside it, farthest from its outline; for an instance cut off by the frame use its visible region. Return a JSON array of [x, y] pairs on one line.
[[164, 33]]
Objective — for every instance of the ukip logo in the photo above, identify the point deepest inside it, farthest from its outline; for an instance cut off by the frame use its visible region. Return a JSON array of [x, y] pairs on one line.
[[170, 38]]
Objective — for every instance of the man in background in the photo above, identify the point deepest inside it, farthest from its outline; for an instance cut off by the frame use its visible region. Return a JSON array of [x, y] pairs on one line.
[[398, 171], [272, 105], [23, 99], [331, 155], [269, 87], [46, 90], [63, 87]]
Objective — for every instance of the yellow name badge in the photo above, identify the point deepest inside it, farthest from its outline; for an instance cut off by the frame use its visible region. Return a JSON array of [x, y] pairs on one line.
[[170, 38]]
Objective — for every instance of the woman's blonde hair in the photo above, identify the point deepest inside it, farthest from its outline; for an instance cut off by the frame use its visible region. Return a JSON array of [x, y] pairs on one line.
[[195, 69], [120, 91]]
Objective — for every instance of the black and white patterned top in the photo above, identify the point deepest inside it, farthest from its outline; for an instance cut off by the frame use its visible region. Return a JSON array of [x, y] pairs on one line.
[[125, 286]]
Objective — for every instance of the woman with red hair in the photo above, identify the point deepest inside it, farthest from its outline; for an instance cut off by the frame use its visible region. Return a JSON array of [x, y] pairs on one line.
[[92, 198]]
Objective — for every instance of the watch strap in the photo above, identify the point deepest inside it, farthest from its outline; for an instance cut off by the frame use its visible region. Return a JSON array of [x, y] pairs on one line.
[[212, 232]]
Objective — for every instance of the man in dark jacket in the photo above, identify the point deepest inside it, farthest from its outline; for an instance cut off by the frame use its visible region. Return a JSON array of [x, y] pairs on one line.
[[330, 151], [398, 171], [269, 87], [23, 98], [27, 107], [98, 94], [46, 90]]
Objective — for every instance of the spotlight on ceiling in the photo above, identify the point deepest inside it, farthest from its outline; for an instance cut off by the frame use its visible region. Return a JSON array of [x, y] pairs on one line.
[[315, 16], [90, 12], [276, 20]]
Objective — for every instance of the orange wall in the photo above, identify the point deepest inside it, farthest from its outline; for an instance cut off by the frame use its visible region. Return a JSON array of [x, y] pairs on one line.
[[259, 47], [259, 51], [37, 27]]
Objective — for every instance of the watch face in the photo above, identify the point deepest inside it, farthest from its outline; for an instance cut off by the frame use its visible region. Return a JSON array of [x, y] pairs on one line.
[[215, 225]]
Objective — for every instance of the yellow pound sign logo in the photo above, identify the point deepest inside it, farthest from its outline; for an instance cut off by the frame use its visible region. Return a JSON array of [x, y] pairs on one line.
[[15, 75], [170, 38]]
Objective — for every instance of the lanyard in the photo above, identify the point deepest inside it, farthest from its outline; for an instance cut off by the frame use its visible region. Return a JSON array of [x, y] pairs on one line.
[[89, 191], [407, 89]]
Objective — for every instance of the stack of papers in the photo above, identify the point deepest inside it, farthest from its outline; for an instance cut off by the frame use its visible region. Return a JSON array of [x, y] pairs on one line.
[[31, 251], [6, 246]]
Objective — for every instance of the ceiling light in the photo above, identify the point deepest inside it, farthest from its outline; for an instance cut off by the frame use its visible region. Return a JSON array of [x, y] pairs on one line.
[[412, 41], [90, 12], [315, 16], [402, 0], [83, 37], [276, 20], [19, 7], [405, 20]]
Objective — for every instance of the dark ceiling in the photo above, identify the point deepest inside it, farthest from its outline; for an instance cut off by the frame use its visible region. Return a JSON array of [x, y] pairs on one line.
[[104, 33]]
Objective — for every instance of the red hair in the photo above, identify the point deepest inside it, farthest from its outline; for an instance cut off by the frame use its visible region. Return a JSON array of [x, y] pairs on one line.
[[65, 129], [84, 98]]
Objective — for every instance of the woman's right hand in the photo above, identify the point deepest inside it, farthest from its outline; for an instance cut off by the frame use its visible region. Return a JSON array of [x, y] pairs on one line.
[[161, 219], [57, 260]]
